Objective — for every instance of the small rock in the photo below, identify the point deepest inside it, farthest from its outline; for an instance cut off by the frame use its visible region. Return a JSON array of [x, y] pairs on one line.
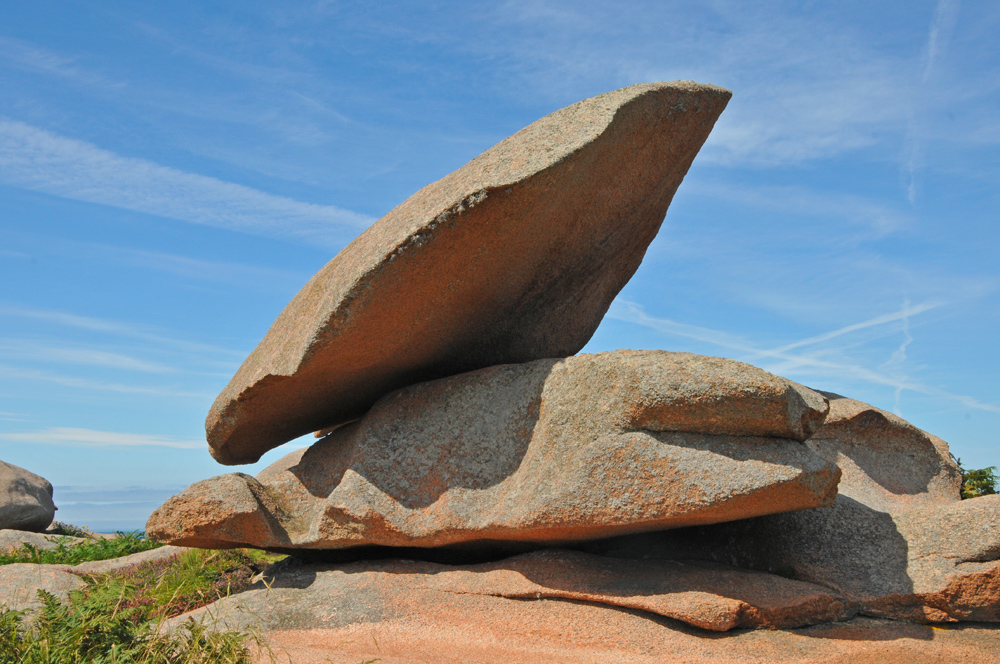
[[116, 564], [25, 499], [20, 583], [15, 539]]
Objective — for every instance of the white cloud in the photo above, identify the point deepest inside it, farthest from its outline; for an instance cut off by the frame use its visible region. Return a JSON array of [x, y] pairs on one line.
[[23, 349], [39, 160], [805, 86], [881, 218], [133, 330], [75, 437], [31, 58], [85, 384], [812, 366]]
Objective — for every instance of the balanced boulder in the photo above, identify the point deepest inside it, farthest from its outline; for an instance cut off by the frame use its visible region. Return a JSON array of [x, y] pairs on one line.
[[514, 257], [543, 452], [25, 499]]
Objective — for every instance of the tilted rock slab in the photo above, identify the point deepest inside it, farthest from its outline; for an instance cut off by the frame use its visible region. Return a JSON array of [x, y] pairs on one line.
[[25, 499], [897, 541], [543, 452], [514, 257], [409, 612], [709, 596]]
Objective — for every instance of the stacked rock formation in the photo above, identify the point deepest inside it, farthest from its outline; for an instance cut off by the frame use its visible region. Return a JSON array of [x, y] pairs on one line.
[[435, 359]]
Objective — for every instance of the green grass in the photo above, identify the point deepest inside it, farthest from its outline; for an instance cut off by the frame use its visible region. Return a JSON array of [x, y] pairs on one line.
[[68, 553], [116, 618]]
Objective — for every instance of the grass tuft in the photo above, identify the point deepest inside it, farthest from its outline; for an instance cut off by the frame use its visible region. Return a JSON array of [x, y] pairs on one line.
[[68, 552], [116, 618]]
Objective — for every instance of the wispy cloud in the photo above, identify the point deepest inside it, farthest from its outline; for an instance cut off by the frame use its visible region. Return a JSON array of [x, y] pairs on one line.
[[35, 59], [938, 38], [806, 86], [901, 315], [879, 217], [24, 349], [39, 160], [244, 274], [85, 384], [784, 362], [74, 437], [126, 329]]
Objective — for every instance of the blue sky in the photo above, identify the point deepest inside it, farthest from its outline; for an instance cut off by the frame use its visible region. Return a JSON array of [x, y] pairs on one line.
[[172, 173]]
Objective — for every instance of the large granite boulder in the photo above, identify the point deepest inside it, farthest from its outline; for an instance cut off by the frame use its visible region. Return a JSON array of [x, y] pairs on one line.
[[543, 452], [516, 256], [25, 499], [897, 541], [554, 607]]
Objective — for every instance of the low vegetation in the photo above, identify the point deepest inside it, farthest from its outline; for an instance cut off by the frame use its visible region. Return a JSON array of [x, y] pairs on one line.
[[975, 483], [117, 618], [71, 552]]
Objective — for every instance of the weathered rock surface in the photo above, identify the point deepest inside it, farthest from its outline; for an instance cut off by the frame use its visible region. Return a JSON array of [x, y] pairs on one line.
[[897, 540], [705, 595], [116, 564], [708, 596], [15, 539], [514, 257], [20, 582], [544, 452], [25, 499], [407, 612]]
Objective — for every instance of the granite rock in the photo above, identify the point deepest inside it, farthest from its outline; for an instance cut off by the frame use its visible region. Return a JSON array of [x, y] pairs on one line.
[[544, 452], [20, 583], [407, 612], [516, 256], [25, 499], [897, 541], [15, 539]]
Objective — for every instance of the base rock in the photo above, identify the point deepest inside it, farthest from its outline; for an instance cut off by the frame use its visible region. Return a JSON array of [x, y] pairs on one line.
[[897, 541], [550, 451], [563, 608]]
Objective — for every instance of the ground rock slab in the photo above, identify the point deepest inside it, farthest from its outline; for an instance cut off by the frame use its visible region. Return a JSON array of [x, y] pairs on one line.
[[541, 608]]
